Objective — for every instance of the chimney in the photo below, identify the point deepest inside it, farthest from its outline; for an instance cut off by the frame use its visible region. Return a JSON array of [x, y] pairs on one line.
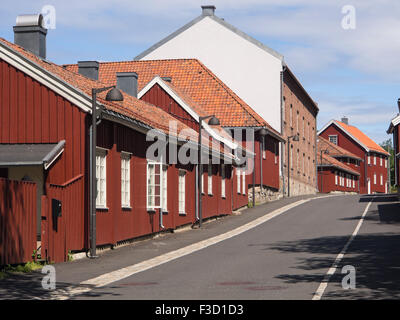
[[30, 34], [398, 104], [345, 120], [208, 10], [89, 69], [128, 82]]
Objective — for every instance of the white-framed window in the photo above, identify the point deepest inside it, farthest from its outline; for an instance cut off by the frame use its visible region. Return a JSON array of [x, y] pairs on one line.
[[154, 182], [223, 181], [238, 175], [336, 178], [354, 182], [202, 181], [374, 178], [164, 186], [375, 160], [125, 179], [333, 139], [264, 152], [381, 180], [276, 152], [101, 178], [182, 191], [369, 159], [244, 181], [386, 161], [380, 160], [210, 179]]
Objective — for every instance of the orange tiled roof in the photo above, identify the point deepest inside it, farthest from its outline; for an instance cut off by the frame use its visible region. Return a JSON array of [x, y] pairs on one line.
[[194, 79], [327, 160], [131, 107], [362, 137], [334, 150]]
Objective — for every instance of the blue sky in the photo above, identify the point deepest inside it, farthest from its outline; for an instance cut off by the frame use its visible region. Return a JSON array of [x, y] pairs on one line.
[[353, 73]]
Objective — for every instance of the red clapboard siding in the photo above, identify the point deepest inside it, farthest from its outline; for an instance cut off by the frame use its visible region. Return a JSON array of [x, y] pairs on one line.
[[17, 221]]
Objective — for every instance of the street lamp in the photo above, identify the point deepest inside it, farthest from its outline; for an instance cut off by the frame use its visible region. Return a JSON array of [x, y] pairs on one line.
[[113, 95], [326, 151], [294, 138], [213, 122]]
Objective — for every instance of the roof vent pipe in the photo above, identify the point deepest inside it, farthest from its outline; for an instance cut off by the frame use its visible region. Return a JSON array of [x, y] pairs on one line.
[[208, 10], [167, 79], [128, 82], [89, 69], [30, 34], [345, 120]]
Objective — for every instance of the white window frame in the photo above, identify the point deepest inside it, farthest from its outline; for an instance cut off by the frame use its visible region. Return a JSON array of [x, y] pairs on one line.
[[381, 179], [209, 177], [336, 178], [333, 136], [223, 181], [380, 160], [182, 192], [202, 181], [152, 176], [164, 188], [101, 178], [374, 159], [125, 179], [238, 175], [243, 181], [386, 161], [369, 159], [374, 178]]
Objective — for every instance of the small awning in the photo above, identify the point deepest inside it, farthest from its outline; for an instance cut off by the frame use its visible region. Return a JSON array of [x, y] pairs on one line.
[[30, 154]]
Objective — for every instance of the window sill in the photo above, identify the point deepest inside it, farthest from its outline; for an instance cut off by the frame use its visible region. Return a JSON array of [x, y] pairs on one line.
[[182, 213], [126, 208], [210, 195], [101, 209], [223, 197], [165, 211], [150, 210]]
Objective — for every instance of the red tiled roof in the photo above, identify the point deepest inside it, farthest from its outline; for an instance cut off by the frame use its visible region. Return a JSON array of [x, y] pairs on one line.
[[362, 137], [194, 79], [131, 107], [334, 150], [327, 160]]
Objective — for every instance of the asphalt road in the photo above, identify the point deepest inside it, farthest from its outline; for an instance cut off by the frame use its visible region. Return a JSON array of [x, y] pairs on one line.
[[286, 257]]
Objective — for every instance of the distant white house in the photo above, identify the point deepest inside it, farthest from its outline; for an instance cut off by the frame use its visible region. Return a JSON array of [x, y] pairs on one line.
[[248, 67]]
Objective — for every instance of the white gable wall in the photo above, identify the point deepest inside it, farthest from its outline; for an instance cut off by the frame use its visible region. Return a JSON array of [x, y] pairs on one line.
[[251, 72]]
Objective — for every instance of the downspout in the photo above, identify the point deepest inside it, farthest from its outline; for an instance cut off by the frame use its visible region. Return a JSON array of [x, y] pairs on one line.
[[281, 146], [254, 172], [315, 143], [197, 194], [261, 170]]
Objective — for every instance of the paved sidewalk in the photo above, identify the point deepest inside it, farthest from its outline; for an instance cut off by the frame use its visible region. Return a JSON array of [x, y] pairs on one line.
[[72, 273]]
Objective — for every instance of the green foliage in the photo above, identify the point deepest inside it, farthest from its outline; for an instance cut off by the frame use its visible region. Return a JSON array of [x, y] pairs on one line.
[[70, 256], [250, 204], [388, 146]]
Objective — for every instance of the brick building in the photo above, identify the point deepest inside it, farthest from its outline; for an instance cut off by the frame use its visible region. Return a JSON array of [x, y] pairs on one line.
[[299, 118]]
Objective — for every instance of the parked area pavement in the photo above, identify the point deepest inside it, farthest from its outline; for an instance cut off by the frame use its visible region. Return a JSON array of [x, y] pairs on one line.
[[286, 257]]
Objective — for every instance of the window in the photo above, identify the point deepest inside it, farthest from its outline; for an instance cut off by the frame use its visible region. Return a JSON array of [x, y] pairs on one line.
[[264, 152], [181, 191], [291, 115], [101, 192], [276, 152], [154, 181], [381, 180], [210, 179], [386, 160], [375, 160], [223, 181], [354, 183], [202, 181], [374, 178], [380, 159], [244, 181], [125, 179], [369, 159], [333, 139], [336, 178], [238, 180], [164, 193]]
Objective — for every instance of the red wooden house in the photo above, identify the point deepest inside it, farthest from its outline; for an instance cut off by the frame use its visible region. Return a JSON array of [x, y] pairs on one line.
[[45, 114], [338, 169], [374, 165], [193, 80], [395, 131]]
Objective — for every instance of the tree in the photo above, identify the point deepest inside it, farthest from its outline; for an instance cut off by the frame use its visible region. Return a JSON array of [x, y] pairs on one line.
[[388, 146]]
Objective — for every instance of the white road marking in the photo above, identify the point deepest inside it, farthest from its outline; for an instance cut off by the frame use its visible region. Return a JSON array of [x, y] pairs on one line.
[[321, 289], [122, 273]]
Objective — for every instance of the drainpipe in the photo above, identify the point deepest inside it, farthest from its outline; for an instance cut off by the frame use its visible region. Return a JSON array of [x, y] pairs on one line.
[[197, 193], [261, 169], [281, 146]]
